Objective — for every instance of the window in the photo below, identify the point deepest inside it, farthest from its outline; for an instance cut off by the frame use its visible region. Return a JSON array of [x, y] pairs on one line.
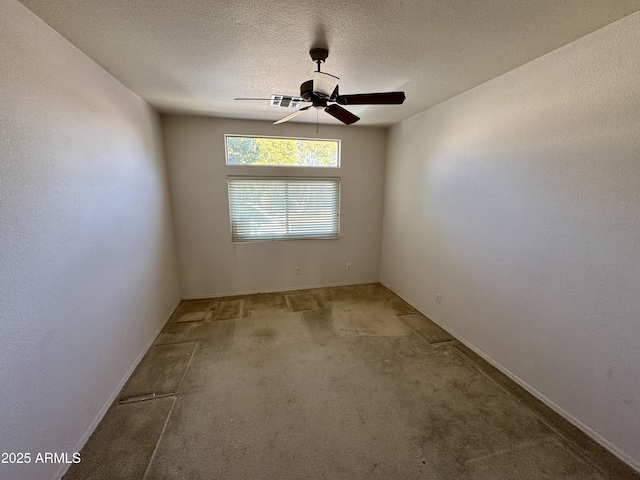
[[270, 208], [282, 152], [286, 207]]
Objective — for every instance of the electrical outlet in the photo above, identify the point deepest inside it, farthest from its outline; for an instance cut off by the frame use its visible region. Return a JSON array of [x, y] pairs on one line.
[[297, 270], [438, 298], [348, 266]]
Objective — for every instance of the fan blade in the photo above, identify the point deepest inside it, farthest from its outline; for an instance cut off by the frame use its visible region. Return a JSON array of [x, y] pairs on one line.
[[291, 115], [345, 116], [277, 97], [389, 98]]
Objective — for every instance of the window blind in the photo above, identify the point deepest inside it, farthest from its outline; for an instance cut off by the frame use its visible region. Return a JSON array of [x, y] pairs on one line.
[[269, 208]]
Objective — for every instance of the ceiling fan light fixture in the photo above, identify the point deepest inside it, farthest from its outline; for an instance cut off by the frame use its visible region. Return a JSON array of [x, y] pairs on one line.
[[324, 84]]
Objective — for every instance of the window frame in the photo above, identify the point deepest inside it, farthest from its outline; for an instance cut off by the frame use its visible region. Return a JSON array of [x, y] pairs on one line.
[[226, 152]]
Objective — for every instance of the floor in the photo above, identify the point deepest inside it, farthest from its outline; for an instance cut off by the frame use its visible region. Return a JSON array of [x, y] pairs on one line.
[[333, 383]]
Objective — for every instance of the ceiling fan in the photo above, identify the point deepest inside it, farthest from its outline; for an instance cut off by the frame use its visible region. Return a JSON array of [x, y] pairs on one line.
[[322, 92]]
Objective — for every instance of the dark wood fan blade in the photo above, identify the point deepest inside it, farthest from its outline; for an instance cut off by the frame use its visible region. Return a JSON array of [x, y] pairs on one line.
[[291, 115], [389, 98], [345, 116]]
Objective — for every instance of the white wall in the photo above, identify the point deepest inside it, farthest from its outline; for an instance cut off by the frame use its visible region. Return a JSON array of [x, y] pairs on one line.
[[211, 265], [519, 202], [87, 258]]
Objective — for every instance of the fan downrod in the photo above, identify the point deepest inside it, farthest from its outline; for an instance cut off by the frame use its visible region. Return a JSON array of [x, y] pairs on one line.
[[319, 55]]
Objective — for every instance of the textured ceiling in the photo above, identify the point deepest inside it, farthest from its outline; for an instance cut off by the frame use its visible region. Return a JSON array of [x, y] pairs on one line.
[[195, 56]]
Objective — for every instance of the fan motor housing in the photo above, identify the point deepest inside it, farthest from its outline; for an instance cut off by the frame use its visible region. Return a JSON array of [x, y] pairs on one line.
[[306, 91], [307, 94]]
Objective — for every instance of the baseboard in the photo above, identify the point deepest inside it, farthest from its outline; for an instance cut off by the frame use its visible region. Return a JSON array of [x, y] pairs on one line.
[[624, 457], [274, 290], [96, 421], [552, 405]]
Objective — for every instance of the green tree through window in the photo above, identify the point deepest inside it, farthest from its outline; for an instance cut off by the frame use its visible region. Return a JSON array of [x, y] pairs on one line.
[[282, 151]]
